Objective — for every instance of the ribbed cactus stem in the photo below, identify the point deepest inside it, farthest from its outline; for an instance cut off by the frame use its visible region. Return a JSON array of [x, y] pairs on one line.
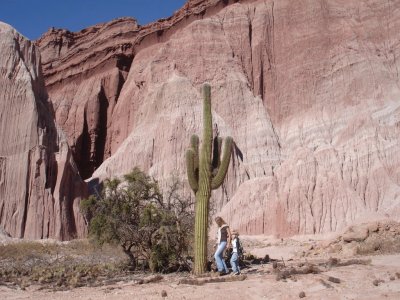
[[201, 180], [223, 167], [191, 171], [194, 142], [201, 232]]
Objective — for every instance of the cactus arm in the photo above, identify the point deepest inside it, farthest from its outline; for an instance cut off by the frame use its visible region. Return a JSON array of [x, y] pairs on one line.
[[191, 172], [216, 160], [194, 142], [219, 178]]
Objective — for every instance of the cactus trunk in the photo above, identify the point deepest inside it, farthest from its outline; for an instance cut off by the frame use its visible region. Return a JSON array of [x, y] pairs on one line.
[[200, 175], [201, 233]]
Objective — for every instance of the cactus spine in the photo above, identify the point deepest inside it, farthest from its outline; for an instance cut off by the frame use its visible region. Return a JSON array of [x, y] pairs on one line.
[[205, 173]]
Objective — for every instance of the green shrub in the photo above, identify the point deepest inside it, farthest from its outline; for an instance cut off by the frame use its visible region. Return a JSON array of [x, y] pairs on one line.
[[134, 214]]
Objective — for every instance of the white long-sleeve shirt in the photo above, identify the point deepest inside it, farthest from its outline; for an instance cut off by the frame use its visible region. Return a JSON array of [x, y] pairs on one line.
[[234, 245]]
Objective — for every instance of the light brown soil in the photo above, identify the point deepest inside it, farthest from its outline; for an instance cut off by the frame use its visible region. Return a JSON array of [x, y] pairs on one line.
[[380, 279]]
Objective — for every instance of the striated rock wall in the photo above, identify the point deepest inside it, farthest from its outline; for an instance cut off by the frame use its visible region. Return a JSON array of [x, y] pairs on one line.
[[334, 98], [308, 89], [84, 74], [40, 188]]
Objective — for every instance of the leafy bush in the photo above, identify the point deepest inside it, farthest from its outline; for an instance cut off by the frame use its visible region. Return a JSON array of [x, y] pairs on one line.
[[148, 226]]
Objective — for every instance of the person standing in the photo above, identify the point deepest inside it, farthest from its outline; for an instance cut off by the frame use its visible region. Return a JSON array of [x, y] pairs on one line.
[[224, 241], [236, 249]]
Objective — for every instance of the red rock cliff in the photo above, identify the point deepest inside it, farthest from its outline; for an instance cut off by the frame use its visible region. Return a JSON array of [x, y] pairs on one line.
[[40, 187], [308, 89]]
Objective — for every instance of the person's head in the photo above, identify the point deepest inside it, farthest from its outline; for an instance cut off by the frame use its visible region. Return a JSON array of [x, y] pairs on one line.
[[235, 234], [219, 221]]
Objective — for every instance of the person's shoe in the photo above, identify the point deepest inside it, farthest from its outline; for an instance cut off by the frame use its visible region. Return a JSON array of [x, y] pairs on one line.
[[222, 273], [236, 273]]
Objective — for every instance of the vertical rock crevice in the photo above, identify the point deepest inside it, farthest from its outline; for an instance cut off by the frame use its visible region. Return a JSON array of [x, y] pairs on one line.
[[100, 142], [82, 150]]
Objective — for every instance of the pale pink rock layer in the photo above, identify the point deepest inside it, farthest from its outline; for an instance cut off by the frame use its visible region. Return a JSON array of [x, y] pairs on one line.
[[40, 187], [309, 90]]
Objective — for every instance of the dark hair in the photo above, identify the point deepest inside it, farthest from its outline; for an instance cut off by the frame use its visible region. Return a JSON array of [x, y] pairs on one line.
[[219, 221]]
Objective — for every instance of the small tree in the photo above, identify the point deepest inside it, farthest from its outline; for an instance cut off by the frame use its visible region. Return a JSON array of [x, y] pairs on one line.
[[133, 214], [173, 240], [122, 214]]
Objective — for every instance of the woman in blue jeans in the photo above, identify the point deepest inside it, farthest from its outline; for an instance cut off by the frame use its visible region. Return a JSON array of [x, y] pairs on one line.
[[224, 241]]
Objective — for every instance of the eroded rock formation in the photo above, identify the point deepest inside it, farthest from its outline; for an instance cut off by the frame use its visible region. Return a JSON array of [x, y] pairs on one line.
[[309, 90], [39, 184]]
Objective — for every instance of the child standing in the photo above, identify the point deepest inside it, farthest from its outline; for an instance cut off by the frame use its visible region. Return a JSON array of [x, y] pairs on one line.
[[236, 248]]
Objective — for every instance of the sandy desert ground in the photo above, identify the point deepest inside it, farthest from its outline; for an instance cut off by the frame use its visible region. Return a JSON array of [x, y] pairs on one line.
[[338, 274]]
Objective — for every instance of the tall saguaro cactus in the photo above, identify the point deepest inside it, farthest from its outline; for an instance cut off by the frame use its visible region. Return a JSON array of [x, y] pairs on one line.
[[206, 171]]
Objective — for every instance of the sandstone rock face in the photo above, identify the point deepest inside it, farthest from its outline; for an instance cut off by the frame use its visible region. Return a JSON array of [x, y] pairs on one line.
[[84, 76], [333, 97], [39, 183], [309, 90]]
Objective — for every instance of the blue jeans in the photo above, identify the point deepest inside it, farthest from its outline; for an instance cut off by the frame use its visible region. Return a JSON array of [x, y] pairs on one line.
[[235, 262], [219, 258]]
